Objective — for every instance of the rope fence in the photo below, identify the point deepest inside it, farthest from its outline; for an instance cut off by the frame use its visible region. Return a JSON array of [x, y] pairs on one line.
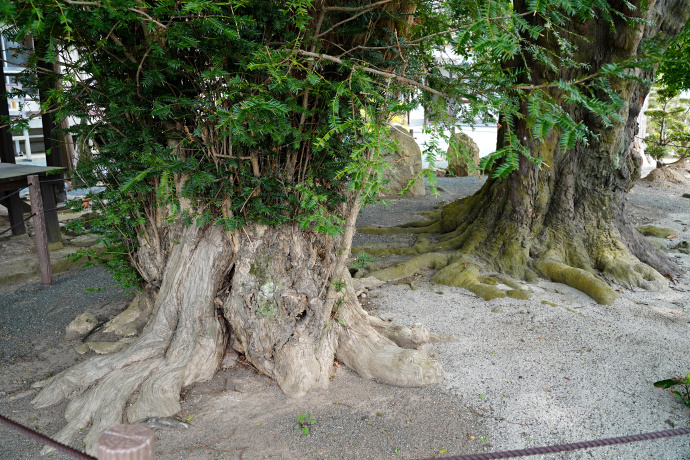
[[12, 227], [570, 447], [64, 179], [45, 439], [9, 195], [123, 439]]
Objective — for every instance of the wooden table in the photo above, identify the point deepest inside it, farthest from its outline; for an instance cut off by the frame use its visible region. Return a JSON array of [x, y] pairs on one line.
[[13, 178]]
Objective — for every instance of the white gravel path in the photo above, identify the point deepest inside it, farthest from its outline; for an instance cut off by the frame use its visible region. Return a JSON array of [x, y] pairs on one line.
[[569, 370]]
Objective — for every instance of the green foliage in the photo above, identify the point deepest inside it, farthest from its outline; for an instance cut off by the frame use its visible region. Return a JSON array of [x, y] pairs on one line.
[[674, 71], [339, 285], [362, 259], [683, 395], [668, 127], [304, 421], [276, 112]]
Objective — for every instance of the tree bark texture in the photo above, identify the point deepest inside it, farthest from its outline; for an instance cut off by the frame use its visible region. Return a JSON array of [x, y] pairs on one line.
[[281, 296], [566, 220], [571, 212]]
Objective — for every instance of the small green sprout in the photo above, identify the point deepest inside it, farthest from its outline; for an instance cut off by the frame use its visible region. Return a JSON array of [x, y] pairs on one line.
[[304, 421], [683, 396]]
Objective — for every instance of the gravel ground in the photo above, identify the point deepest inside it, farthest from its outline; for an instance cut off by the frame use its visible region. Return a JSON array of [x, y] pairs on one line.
[[30, 311], [523, 374], [33, 346], [558, 368]]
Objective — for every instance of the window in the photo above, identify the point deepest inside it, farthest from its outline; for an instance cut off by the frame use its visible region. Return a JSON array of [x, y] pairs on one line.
[[14, 55]]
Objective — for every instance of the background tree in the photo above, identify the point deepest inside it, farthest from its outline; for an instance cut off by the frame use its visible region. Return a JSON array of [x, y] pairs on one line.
[[237, 142], [668, 127], [674, 69], [669, 131]]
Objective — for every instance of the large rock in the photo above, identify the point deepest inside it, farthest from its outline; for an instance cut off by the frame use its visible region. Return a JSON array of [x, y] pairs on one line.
[[80, 326], [405, 163], [665, 175], [132, 320], [457, 164]]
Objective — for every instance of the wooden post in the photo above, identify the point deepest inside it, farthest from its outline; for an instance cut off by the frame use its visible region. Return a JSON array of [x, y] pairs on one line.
[[55, 153], [126, 442], [50, 212], [40, 229]]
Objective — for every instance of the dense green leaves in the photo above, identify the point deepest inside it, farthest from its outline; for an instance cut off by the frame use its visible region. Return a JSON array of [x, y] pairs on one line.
[[674, 71], [668, 126], [277, 111]]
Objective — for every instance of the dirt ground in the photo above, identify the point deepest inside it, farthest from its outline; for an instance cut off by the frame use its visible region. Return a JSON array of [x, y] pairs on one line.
[[238, 414], [242, 414]]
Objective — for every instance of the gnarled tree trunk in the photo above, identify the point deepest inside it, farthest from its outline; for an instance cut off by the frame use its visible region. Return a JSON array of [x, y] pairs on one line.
[[282, 296], [566, 220]]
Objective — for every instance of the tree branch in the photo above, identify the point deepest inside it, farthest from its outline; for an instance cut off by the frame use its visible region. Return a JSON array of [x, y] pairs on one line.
[[117, 41], [355, 9], [377, 72], [135, 10], [344, 21]]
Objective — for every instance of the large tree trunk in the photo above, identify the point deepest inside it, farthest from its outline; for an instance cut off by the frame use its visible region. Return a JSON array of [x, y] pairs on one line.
[[566, 220], [281, 296]]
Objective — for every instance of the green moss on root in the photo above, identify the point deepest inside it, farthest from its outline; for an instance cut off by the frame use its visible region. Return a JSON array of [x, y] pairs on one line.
[[464, 275], [434, 227], [659, 232], [452, 215], [433, 218], [411, 266], [578, 279], [519, 294], [488, 280], [509, 281], [631, 273], [555, 305]]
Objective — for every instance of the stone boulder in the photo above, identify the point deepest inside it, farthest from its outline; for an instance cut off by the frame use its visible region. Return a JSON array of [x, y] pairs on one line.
[[457, 164], [405, 163], [665, 175], [80, 326]]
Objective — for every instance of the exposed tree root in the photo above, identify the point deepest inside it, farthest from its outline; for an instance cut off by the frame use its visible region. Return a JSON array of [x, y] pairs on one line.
[[579, 279], [475, 253], [411, 227], [288, 300], [383, 352], [182, 344]]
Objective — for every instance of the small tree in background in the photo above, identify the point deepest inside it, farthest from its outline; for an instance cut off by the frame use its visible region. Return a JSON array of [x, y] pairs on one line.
[[668, 127], [669, 110]]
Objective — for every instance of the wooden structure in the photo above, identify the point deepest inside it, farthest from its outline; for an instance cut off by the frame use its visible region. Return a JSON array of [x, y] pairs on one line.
[[40, 230], [13, 177]]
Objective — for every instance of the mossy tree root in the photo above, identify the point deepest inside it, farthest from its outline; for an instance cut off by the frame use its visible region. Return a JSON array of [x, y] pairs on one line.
[[433, 226], [473, 245], [411, 266], [578, 279]]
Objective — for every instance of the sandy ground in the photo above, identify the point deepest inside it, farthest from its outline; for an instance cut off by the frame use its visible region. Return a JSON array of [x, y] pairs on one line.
[[524, 373]]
